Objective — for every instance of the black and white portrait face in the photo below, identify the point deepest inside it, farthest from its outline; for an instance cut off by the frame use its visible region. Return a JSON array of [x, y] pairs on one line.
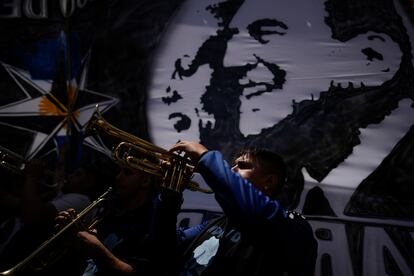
[[325, 83], [318, 82], [239, 75]]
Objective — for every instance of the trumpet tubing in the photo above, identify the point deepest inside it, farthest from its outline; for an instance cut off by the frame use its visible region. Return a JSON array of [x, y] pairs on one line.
[[16, 164], [11, 161], [135, 153]]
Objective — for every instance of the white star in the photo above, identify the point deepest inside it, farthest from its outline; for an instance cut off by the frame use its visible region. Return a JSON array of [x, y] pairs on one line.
[[38, 100]]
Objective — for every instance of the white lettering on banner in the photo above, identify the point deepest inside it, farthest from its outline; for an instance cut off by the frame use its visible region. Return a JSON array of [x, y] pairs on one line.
[[372, 258], [81, 3], [216, 231], [29, 9], [10, 9], [38, 9], [67, 7], [233, 235]]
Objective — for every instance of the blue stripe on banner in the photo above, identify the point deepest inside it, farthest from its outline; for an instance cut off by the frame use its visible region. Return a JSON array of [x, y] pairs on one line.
[[42, 58]]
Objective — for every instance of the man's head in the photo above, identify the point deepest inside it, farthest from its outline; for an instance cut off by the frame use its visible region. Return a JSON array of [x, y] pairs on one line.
[[131, 182], [265, 169], [92, 177]]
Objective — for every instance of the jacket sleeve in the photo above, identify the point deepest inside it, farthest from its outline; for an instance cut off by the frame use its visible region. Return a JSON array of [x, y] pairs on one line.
[[238, 198]]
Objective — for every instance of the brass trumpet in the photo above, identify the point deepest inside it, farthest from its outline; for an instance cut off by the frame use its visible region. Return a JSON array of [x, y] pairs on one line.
[[16, 164], [48, 252], [135, 153], [11, 161]]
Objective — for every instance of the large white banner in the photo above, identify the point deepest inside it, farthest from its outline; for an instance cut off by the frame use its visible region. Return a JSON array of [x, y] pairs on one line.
[[325, 83]]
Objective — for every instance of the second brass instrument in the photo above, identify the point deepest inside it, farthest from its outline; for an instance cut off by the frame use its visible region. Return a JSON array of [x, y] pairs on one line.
[[135, 153], [11, 161], [16, 164], [50, 250]]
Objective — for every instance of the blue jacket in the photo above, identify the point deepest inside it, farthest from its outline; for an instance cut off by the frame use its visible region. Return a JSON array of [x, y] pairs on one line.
[[254, 236]]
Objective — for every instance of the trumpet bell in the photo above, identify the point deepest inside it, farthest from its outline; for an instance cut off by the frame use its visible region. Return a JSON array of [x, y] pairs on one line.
[[138, 154]]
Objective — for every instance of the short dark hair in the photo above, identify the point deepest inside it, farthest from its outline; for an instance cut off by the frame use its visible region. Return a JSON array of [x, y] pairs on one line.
[[269, 161]]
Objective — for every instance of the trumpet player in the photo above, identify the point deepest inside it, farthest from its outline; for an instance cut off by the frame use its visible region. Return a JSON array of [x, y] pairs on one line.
[[137, 235], [38, 203], [256, 235]]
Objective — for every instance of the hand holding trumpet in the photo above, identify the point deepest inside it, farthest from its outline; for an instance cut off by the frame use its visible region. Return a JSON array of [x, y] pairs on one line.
[[85, 239], [192, 150]]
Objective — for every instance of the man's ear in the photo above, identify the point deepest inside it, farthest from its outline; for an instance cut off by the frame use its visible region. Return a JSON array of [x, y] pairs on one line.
[[272, 179], [271, 182]]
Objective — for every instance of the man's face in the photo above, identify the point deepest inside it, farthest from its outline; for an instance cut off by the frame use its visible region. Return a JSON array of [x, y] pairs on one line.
[[130, 182], [250, 169]]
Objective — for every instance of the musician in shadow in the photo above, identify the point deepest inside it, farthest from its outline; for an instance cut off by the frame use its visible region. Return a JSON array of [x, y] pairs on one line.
[[137, 236], [35, 203], [257, 235]]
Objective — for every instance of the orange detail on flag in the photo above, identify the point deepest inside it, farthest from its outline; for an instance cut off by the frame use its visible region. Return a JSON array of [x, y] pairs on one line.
[[47, 108]]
